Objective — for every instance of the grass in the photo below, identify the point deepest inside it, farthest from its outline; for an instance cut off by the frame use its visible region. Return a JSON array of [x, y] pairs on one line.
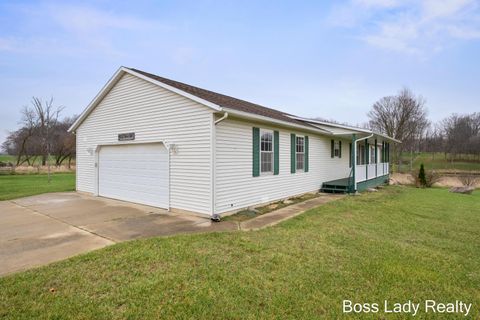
[[22, 185], [398, 244], [258, 211], [438, 162]]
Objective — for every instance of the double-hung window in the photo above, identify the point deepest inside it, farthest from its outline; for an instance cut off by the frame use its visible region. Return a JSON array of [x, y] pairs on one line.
[[266, 151], [300, 153], [360, 154], [372, 154], [336, 149]]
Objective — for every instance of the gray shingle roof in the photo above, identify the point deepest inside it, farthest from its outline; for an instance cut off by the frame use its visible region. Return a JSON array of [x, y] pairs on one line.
[[225, 101]]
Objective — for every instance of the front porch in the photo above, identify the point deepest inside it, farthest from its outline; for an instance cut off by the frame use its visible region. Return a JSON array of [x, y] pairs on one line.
[[377, 174], [369, 166]]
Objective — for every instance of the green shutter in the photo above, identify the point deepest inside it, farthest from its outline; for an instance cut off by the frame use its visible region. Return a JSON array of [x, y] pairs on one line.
[[292, 152], [388, 152], [332, 147], [340, 149], [350, 155], [306, 153], [367, 160], [276, 154], [376, 151], [256, 152]]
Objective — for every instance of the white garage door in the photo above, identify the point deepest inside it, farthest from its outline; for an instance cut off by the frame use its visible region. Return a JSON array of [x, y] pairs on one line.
[[136, 173]]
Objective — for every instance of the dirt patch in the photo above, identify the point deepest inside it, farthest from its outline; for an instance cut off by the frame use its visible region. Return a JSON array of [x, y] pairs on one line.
[[444, 181], [402, 178]]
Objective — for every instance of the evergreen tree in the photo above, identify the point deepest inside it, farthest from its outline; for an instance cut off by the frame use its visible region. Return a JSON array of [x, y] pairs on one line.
[[421, 176]]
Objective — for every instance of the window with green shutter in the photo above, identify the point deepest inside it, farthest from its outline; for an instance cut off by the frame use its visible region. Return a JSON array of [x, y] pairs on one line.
[[335, 148], [300, 153]]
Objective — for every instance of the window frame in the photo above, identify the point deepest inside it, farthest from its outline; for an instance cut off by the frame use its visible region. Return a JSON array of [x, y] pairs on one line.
[[302, 169], [336, 148], [272, 152], [372, 154], [361, 155]]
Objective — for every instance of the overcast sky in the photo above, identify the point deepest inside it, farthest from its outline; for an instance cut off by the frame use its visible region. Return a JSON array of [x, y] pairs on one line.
[[313, 58]]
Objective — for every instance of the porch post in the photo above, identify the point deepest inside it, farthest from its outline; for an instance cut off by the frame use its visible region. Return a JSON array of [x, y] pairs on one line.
[[376, 159], [354, 161], [367, 155]]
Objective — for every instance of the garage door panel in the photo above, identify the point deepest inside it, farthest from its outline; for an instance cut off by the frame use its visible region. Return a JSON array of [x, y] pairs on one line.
[[136, 173]]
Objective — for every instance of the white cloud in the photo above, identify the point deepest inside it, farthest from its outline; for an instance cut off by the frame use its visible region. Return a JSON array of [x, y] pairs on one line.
[[411, 27], [75, 30], [81, 19]]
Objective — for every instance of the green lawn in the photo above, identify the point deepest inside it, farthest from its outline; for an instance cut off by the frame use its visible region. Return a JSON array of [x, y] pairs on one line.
[[22, 185], [397, 244], [438, 162]]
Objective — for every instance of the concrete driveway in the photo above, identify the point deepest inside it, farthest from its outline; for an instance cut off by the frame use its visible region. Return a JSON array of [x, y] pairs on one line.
[[41, 229]]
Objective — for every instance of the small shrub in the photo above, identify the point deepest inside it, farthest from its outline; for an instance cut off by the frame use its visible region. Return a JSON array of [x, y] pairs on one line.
[[468, 180], [430, 178], [426, 179]]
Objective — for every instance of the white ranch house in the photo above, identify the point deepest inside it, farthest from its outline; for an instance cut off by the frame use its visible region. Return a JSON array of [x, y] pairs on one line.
[[154, 141]]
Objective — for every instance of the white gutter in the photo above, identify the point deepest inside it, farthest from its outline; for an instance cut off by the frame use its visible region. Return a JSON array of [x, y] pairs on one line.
[[331, 124], [214, 216], [225, 116]]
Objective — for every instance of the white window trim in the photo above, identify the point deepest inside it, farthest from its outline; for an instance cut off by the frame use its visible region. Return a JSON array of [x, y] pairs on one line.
[[296, 162], [267, 173]]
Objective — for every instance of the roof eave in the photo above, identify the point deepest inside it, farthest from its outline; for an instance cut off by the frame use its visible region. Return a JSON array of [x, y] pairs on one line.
[[252, 116], [353, 129]]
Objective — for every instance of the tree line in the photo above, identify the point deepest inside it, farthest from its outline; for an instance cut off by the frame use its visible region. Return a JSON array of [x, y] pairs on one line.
[[404, 117], [42, 135]]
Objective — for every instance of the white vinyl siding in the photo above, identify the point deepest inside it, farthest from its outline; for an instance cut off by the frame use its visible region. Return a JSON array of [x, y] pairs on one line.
[[235, 186], [154, 114]]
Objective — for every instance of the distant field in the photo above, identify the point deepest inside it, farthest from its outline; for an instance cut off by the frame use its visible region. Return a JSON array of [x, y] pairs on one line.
[[438, 162], [13, 159], [7, 158], [22, 185]]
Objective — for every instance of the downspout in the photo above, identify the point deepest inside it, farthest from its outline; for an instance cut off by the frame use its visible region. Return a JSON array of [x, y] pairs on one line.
[[355, 157], [225, 116], [215, 217]]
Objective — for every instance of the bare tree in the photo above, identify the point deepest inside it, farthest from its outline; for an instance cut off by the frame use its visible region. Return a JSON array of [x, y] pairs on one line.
[[403, 117], [462, 135], [63, 142]]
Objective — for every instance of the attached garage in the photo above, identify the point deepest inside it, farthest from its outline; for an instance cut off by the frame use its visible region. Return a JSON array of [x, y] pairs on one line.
[[134, 172]]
